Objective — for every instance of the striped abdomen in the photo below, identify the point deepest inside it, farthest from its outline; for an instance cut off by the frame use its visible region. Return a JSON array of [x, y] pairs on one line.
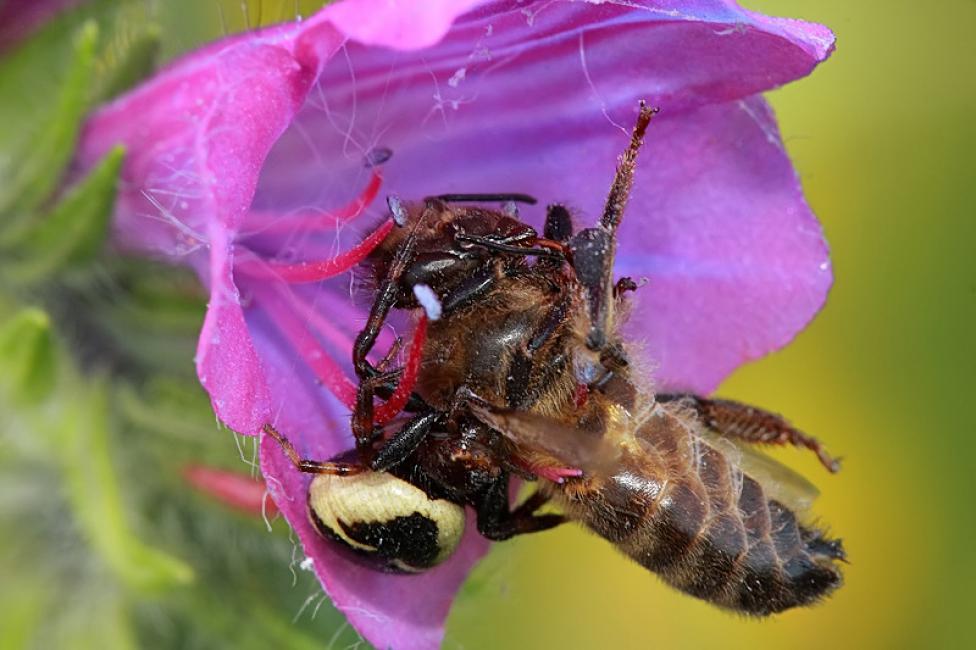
[[682, 508]]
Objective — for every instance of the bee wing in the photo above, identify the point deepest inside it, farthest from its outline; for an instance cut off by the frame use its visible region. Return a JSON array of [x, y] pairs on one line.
[[552, 441], [780, 482]]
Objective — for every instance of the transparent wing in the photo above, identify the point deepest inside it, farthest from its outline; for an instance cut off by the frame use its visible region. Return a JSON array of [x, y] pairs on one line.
[[779, 481]]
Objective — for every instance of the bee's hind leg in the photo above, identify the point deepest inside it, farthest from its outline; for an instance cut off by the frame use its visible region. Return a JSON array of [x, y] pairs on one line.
[[498, 521], [750, 424]]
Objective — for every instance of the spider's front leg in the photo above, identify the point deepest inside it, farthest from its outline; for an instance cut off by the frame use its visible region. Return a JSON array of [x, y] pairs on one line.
[[309, 466]]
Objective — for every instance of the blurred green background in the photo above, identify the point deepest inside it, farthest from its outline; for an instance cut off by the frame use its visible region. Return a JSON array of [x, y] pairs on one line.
[[883, 136]]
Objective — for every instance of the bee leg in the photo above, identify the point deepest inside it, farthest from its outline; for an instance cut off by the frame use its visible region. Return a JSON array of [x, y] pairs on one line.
[[750, 424], [385, 385], [368, 419], [497, 521], [528, 507], [403, 443], [386, 297], [386, 382], [337, 468]]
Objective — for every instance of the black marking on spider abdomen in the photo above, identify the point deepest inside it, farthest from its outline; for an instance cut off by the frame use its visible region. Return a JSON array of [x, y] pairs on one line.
[[405, 544], [411, 539]]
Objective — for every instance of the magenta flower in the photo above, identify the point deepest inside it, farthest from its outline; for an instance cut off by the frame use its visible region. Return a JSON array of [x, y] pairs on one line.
[[246, 161]]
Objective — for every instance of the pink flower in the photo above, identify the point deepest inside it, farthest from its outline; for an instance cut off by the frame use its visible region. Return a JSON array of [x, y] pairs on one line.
[[247, 157]]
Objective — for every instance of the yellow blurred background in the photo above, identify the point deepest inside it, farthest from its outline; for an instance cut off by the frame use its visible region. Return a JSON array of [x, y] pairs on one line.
[[883, 136]]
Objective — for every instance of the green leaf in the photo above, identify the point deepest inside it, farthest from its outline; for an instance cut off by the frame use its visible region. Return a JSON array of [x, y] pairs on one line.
[[124, 65], [39, 125], [23, 613], [73, 231], [169, 410], [94, 493], [48, 84], [28, 368]]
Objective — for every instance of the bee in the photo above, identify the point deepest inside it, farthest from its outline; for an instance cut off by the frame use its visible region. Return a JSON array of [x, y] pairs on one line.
[[524, 373]]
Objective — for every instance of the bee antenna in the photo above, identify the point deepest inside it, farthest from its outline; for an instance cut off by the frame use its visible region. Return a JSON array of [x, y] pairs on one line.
[[623, 180]]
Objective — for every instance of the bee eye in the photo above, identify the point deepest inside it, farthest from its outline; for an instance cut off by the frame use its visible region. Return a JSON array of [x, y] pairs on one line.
[[384, 522]]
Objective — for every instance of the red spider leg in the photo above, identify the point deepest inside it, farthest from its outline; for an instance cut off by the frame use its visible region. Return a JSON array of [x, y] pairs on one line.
[[392, 407], [309, 219], [314, 271], [296, 332], [238, 491]]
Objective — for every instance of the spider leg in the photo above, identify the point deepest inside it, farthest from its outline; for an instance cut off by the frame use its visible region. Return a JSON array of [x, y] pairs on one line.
[[336, 468], [398, 448]]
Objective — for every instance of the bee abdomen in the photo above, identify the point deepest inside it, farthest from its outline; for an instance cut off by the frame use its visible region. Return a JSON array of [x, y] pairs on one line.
[[751, 555], [714, 534]]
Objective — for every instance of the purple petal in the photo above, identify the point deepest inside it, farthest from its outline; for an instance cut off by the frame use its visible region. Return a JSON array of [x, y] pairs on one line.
[[736, 260], [515, 65]]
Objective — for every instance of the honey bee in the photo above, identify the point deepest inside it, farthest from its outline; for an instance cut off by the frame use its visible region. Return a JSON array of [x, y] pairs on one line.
[[524, 372]]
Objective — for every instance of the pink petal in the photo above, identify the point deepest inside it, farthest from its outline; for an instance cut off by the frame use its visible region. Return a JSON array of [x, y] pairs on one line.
[[398, 25], [227, 362], [196, 137]]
